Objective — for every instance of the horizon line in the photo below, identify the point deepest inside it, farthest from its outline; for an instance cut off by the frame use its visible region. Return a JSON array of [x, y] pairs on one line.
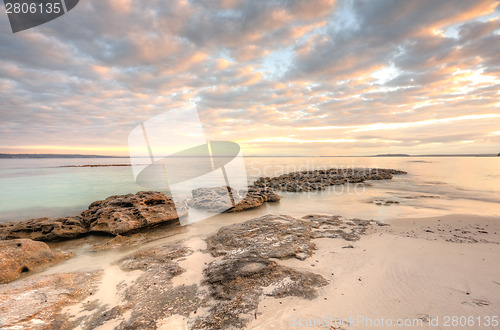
[[55, 156]]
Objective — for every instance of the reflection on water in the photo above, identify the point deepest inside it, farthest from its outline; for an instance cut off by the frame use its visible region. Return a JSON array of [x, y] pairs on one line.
[[40, 187]]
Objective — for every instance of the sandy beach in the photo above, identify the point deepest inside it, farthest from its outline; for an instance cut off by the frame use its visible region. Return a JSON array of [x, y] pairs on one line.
[[429, 273], [401, 273], [128, 262]]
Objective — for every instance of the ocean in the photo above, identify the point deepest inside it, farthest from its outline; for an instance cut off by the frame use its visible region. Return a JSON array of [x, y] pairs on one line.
[[31, 188]]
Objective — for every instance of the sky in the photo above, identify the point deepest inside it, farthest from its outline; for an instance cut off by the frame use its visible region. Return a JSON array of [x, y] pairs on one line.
[[315, 77]]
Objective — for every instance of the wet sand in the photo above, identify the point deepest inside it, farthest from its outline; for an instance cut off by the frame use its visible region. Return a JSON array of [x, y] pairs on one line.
[[427, 272]]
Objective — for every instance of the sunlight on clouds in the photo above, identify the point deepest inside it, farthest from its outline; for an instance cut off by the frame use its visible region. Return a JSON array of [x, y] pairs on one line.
[[70, 149], [385, 74], [348, 77], [293, 140], [476, 77], [389, 126]]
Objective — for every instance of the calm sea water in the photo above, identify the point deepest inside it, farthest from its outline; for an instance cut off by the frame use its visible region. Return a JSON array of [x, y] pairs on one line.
[[32, 188]]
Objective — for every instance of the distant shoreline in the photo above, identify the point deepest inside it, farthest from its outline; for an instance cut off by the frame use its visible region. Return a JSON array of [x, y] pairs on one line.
[[70, 156], [44, 156]]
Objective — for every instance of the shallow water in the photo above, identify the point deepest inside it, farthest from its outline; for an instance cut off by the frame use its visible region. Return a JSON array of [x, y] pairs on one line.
[[32, 188]]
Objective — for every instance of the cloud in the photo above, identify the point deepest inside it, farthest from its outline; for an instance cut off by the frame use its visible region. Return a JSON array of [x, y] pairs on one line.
[[269, 74]]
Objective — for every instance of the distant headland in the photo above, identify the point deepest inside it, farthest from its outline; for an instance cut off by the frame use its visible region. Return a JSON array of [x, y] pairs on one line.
[[40, 156], [18, 156]]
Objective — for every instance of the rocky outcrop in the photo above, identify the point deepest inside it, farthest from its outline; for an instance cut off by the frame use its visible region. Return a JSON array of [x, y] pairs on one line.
[[21, 256], [256, 196], [35, 302], [44, 229], [237, 284], [128, 213], [114, 215], [147, 288], [270, 236], [247, 272], [264, 189], [214, 199], [122, 214], [281, 236], [218, 200], [320, 179], [148, 298]]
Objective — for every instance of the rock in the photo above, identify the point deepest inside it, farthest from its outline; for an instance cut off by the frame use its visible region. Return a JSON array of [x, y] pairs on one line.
[[236, 285], [326, 226], [270, 236], [158, 257], [151, 296], [21, 256], [125, 213], [320, 179], [381, 202], [44, 229], [218, 200], [35, 302], [115, 215], [256, 196]]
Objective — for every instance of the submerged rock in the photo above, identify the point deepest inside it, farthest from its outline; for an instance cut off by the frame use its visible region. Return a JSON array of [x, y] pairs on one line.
[[21, 256]]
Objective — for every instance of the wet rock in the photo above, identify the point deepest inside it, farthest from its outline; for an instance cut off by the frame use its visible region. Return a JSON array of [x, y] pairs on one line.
[[237, 284], [270, 236], [218, 199], [36, 302], [383, 202], [115, 215], [320, 179], [126, 213], [44, 229], [151, 297], [256, 196], [22, 256], [155, 258]]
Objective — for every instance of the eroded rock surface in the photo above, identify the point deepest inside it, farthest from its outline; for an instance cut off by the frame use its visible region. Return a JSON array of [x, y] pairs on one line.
[[246, 271], [151, 296], [21, 256], [320, 179], [35, 303], [217, 199], [140, 291], [270, 236], [237, 283], [44, 229], [115, 215], [256, 196], [126, 213]]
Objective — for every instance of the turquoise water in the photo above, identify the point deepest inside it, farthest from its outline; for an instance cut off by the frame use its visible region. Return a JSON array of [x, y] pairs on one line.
[[32, 188]]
